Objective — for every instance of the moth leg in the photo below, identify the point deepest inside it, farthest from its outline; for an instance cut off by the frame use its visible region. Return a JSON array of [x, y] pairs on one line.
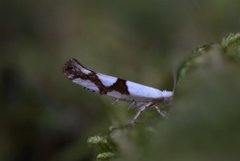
[[140, 110], [133, 121], [159, 111], [131, 104], [115, 101]]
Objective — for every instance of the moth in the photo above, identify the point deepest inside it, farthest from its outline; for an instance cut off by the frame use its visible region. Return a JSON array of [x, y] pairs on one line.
[[137, 95]]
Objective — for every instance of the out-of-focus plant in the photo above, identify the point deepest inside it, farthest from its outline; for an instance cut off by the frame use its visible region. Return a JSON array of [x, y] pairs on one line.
[[106, 147]]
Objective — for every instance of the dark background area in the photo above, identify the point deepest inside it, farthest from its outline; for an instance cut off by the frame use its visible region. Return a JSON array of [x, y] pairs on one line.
[[43, 116]]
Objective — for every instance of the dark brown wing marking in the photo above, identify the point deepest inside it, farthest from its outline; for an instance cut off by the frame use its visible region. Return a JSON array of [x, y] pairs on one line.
[[72, 71], [120, 86]]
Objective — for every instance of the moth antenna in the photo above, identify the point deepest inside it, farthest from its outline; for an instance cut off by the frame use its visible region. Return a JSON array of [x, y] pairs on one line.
[[174, 73]]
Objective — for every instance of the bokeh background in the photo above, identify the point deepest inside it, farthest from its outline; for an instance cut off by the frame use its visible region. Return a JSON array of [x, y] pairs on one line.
[[43, 116]]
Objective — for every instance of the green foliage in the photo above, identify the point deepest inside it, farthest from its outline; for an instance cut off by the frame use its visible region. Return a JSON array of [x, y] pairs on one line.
[[105, 156], [195, 60], [106, 147], [208, 54], [230, 45]]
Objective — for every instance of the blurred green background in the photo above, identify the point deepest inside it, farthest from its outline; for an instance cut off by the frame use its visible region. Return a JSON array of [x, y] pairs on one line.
[[43, 116]]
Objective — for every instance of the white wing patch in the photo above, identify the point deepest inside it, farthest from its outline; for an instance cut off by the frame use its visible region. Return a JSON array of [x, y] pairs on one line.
[[138, 90], [86, 83], [106, 79]]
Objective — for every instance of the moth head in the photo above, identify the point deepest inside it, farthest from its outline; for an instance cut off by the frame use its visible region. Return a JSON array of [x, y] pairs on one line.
[[70, 68], [73, 69]]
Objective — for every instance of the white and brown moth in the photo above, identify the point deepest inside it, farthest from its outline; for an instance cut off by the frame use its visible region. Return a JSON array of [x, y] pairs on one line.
[[137, 95]]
